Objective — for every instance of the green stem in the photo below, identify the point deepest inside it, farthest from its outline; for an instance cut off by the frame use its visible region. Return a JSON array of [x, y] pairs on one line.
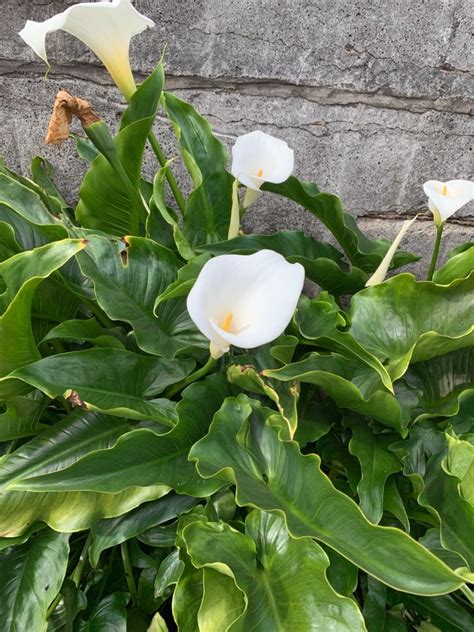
[[204, 370], [129, 572], [434, 258], [98, 312], [178, 196], [76, 574], [468, 594]]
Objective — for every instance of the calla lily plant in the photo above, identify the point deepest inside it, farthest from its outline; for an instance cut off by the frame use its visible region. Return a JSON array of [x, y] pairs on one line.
[[245, 301], [105, 27]]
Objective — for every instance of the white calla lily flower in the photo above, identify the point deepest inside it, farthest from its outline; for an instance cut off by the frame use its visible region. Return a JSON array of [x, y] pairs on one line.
[[105, 27], [258, 157], [445, 198], [245, 300]]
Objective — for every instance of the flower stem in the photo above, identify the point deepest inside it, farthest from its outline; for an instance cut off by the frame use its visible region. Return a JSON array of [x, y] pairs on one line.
[[434, 258], [77, 572], [127, 565], [76, 575], [192, 377], [178, 196]]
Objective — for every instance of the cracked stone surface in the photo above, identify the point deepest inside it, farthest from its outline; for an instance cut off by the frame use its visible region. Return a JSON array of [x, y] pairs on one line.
[[374, 97]]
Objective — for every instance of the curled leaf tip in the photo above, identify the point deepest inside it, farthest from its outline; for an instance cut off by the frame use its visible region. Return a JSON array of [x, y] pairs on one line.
[[65, 107]]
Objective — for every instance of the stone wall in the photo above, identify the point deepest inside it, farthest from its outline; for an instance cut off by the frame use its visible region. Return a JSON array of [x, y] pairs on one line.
[[374, 96]]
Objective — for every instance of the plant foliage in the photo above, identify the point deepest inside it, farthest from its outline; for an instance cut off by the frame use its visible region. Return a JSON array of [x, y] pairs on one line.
[[324, 481]]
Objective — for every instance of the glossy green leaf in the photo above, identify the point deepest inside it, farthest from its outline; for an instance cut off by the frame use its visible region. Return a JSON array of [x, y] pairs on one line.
[[22, 274], [108, 533], [21, 417], [53, 450], [101, 378], [444, 612], [273, 475], [109, 197], [128, 276], [403, 320], [142, 458], [30, 578], [9, 246], [353, 385], [460, 463], [87, 330], [442, 381], [360, 250], [457, 267], [207, 214], [377, 464], [23, 200], [456, 514], [283, 579], [284, 396], [109, 616], [320, 321]]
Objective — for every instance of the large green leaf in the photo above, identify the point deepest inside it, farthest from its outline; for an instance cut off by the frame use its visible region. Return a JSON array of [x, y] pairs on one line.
[[443, 381], [110, 615], [456, 515], [128, 277], [142, 457], [22, 274], [321, 261], [353, 385], [456, 267], [22, 417], [111, 380], [283, 579], [403, 320], [62, 444], [273, 475], [108, 533], [109, 197], [376, 463], [56, 448], [360, 250], [23, 200], [207, 214], [30, 578], [321, 321], [88, 330]]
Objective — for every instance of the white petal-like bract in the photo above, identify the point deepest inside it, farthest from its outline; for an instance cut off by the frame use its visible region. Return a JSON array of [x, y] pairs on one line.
[[245, 300], [445, 198], [258, 157], [381, 272], [105, 27]]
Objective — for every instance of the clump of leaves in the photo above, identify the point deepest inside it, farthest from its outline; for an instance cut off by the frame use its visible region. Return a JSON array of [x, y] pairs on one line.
[[322, 481]]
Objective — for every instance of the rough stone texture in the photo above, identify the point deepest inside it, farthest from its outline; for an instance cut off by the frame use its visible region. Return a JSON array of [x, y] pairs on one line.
[[375, 97]]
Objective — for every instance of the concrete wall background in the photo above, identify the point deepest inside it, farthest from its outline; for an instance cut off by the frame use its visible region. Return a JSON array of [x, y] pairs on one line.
[[374, 96]]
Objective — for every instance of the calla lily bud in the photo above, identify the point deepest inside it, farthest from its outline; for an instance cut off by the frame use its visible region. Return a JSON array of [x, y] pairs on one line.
[[381, 272], [445, 198], [105, 27], [258, 157], [245, 300]]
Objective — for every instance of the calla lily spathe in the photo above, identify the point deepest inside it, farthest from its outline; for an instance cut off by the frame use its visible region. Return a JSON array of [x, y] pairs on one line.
[[245, 300], [381, 272], [258, 157], [105, 27], [445, 198]]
